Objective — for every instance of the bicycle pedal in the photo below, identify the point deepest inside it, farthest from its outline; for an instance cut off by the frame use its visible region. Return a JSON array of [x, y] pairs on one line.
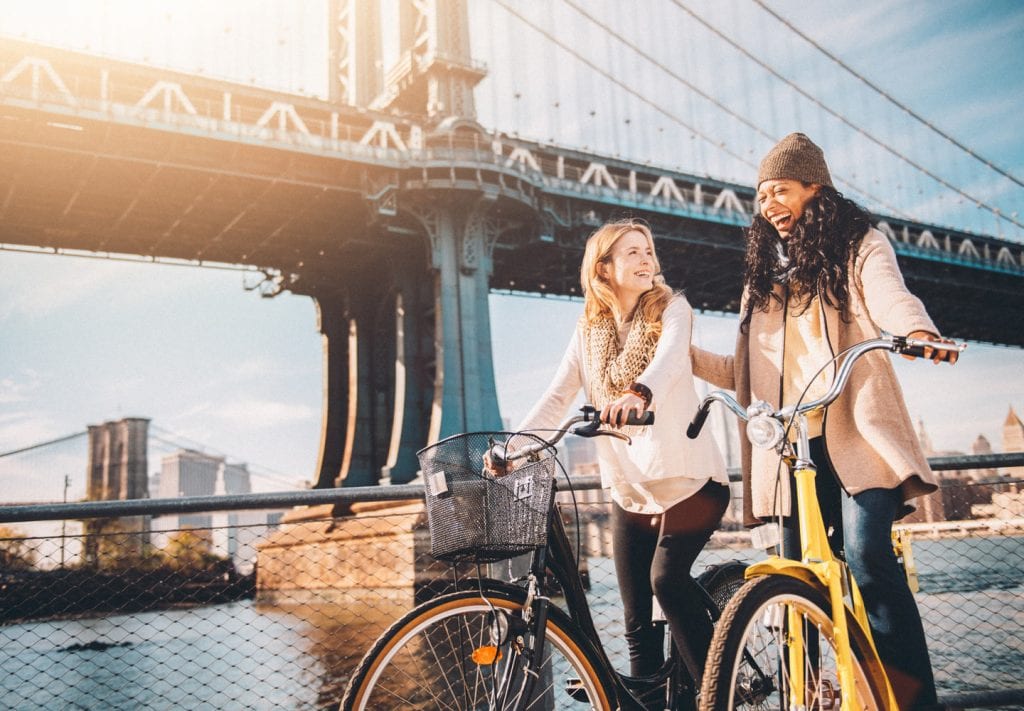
[[576, 691]]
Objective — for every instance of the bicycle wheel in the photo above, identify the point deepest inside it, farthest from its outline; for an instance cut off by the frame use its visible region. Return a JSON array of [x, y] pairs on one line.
[[441, 656], [748, 664]]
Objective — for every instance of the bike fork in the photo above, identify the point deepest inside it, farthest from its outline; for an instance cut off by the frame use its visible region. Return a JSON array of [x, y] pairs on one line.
[[526, 638]]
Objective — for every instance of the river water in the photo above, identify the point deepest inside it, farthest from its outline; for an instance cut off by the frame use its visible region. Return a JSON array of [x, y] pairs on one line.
[[243, 656]]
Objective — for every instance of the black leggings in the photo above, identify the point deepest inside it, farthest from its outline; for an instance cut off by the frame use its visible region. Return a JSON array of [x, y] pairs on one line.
[[653, 557]]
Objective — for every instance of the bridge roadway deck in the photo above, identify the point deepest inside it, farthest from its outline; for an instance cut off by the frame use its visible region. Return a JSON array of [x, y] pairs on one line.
[[110, 157]]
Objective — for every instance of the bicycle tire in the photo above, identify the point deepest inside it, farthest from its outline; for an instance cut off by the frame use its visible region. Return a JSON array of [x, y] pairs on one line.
[[423, 661], [759, 678]]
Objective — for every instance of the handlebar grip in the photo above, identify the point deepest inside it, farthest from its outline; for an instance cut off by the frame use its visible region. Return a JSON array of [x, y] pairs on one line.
[[918, 352], [904, 345], [645, 419], [698, 420], [592, 414]]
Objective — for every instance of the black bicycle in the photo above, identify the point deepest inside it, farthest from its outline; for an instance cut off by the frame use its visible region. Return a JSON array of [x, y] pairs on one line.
[[508, 645]]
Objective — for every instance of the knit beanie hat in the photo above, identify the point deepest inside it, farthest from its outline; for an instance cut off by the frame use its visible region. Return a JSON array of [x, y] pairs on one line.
[[797, 158]]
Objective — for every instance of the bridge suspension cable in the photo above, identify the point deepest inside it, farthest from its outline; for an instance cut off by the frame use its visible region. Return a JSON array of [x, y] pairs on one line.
[[675, 75], [40, 445], [843, 119], [623, 85], [888, 97], [893, 209], [179, 441]]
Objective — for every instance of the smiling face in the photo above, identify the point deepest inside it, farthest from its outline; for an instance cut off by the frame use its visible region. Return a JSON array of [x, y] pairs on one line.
[[630, 266], [782, 202]]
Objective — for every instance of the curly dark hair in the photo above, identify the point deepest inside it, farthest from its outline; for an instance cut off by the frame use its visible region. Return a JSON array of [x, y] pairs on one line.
[[820, 248]]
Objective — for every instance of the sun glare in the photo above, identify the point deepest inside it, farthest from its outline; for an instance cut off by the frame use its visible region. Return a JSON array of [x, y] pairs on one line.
[[276, 44]]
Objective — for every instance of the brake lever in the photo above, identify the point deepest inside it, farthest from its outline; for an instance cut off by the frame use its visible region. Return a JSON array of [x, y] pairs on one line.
[[588, 429], [593, 429]]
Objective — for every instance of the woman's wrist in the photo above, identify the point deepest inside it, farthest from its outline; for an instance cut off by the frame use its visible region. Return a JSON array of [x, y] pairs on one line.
[[641, 391]]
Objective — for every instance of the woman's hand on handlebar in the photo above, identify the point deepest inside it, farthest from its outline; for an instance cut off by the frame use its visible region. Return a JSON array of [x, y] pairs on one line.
[[934, 354], [495, 466], [616, 412]]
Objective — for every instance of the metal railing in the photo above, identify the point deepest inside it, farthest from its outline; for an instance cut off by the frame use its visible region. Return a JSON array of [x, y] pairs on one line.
[[211, 602]]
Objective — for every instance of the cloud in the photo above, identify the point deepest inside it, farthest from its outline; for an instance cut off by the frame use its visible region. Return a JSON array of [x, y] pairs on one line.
[[25, 428], [13, 390], [254, 367], [263, 414], [43, 285], [39, 284]]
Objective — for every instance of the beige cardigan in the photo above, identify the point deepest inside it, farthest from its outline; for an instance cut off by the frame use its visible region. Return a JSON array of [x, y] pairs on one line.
[[871, 442]]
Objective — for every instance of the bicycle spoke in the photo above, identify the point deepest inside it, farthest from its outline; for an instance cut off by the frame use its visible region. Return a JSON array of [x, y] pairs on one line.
[[428, 662], [785, 627]]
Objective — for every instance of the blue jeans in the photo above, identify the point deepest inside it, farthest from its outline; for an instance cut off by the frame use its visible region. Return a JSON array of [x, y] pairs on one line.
[[861, 525]]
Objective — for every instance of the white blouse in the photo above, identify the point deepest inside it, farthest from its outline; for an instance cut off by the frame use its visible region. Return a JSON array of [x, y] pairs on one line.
[[662, 466]]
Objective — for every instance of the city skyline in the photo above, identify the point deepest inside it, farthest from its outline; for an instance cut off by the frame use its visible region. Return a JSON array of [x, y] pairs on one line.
[[85, 340]]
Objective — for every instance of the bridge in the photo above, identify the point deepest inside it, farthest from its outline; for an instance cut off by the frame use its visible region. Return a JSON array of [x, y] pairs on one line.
[[392, 208]]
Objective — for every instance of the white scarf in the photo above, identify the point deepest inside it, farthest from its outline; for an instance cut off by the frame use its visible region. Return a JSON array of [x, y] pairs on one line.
[[612, 370]]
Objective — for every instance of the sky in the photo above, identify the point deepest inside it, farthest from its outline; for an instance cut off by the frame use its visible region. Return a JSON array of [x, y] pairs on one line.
[[83, 341]]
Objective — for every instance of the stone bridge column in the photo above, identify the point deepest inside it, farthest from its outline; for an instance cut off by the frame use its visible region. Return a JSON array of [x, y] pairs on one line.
[[336, 333], [413, 322], [462, 240], [378, 374]]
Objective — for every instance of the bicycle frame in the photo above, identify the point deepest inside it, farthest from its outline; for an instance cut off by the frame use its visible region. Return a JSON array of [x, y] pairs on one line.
[[505, 644], [818, 566], [558, 558]]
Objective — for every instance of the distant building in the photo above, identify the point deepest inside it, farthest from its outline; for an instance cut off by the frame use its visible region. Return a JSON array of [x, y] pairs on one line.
[[233, 533], [190, 473], [970, 493], [1013, 441]]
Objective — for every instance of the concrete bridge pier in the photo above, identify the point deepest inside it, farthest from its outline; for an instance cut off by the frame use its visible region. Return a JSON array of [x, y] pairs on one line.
[[377, 366], [407, 341], [462, 238]]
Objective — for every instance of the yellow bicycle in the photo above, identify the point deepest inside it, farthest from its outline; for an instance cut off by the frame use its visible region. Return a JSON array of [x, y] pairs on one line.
[[796, 635]]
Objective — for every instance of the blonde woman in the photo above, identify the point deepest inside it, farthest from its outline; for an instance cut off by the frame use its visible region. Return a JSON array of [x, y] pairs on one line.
[[630, 352]]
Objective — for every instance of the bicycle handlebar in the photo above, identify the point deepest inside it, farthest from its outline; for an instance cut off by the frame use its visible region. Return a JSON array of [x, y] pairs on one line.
[[897, 344], [588, 414], [705, 408]]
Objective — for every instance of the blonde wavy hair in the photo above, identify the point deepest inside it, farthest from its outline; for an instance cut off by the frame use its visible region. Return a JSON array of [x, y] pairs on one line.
[[599, 299]]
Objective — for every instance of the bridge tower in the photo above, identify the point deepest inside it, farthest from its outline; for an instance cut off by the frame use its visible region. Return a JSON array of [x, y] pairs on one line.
[[405, 320], [118, 464]]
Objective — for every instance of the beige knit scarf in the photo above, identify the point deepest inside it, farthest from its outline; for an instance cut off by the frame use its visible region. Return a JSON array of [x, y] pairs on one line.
[[612, 370]]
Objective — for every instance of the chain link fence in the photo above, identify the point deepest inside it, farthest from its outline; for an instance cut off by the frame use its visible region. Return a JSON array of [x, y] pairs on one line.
[[252, 611]]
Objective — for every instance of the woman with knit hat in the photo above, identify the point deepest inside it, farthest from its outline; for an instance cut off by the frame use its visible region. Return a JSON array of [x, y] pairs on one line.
[[818, 279], [630, 353]]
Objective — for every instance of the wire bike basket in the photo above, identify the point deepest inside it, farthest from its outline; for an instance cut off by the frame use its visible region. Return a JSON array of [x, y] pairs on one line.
[[476, 516]]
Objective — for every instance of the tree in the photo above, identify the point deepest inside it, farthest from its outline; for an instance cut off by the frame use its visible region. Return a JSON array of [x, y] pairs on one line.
[[118, 544], [192, 549], [15, 551]]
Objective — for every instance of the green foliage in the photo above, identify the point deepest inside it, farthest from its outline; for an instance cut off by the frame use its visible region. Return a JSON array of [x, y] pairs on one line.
[[114, 544], [192, 549]]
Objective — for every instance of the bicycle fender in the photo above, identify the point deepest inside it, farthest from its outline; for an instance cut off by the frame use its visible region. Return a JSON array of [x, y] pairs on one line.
[[784, 566]]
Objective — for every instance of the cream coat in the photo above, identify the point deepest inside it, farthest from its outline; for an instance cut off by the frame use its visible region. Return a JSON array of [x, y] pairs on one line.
[[661, 467], [870, 439]]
